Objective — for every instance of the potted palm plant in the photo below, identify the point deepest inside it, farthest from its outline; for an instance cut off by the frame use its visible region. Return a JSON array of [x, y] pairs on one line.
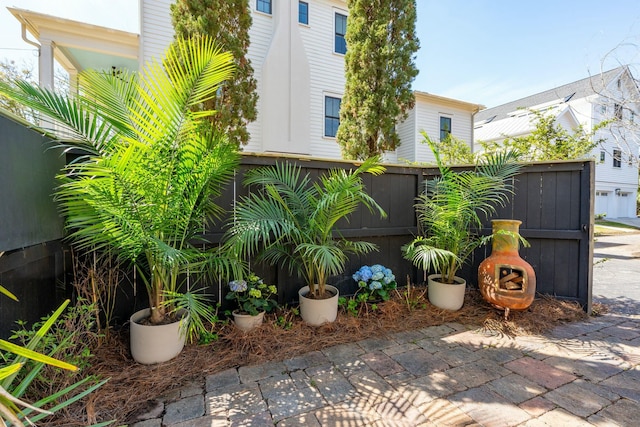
[[291, 222], [146, 184], [449, 215]]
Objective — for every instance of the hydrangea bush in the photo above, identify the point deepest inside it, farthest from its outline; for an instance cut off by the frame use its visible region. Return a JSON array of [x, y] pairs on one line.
[[376, 282], [252, 295]]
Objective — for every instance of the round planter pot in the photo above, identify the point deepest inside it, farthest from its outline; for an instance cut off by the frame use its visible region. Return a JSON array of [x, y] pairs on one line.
[[444, 295], [155, 343], [318, 311], [246, 322]]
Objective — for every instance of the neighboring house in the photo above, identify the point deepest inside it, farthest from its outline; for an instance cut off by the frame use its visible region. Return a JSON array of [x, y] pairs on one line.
[[297, 52], [610, 95]]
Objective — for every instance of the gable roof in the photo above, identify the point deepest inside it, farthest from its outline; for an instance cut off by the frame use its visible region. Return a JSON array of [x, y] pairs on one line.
[[576, 90]]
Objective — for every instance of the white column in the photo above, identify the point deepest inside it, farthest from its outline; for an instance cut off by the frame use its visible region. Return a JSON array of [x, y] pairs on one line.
[[45, 64]]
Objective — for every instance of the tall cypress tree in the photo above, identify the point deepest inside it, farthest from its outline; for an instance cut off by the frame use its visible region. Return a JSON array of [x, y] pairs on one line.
[[228, 22], [379, 67]]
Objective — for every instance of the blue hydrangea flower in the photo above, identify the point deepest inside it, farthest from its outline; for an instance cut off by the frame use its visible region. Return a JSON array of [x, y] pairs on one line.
[[377, 268], [375, 285], [238, 285]]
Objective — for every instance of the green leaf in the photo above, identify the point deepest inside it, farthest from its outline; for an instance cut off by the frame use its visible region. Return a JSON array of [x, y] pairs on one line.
[[33, 355]]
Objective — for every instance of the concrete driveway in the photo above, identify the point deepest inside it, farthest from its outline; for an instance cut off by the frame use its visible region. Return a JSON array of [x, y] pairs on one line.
[[616, 271]]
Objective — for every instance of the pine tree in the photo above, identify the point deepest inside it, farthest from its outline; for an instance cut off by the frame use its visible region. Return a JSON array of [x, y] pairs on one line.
[[228, 22], [379, 67]]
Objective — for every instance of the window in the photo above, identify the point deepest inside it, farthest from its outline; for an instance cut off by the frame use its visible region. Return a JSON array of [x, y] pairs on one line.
[[264, 6], [445, 128], [602, 156], [331, 116], [303, 12], [617, 158], [341, 31], [617, 108], [602, 193]]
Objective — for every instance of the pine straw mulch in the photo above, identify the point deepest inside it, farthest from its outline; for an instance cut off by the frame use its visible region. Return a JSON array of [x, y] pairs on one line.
[[132, 385]]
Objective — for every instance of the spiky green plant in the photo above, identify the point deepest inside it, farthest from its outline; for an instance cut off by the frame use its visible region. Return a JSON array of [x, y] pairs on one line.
[[145, 188], [292, 220], [451, 209]]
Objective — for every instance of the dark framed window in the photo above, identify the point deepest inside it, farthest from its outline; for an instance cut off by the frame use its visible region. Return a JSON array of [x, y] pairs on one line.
[[331, 116], [445, 127], [602, 156], [303, 12], [617, 108], [263, 6], [617, 158], [341, 31]]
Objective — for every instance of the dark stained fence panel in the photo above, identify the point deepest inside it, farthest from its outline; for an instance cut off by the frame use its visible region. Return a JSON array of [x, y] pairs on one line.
[[553, 200]]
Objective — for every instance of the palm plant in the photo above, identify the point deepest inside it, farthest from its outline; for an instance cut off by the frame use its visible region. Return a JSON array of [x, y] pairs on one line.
[[151, 168], [449, 211], [292, 220]]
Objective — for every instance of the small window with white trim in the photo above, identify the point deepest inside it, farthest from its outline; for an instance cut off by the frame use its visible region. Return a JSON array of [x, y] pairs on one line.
[[263, 6], [331, 116], [303, 12], [617, 158], [340, 44]]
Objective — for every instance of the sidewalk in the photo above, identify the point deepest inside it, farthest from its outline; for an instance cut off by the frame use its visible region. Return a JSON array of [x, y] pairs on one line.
[[580, 374]]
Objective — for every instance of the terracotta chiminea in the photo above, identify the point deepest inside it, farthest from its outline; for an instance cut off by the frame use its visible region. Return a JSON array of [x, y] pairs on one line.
[[506, 281]]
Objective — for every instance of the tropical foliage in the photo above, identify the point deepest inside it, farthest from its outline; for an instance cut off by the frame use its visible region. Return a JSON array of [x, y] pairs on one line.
[[152, 167], [291, 220], [451, 209], [23, 364], [379, 69]]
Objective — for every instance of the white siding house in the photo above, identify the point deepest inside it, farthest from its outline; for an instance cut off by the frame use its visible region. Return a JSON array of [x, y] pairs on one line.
[[434, 115], [297, 53], [586, 102], [299, 72]]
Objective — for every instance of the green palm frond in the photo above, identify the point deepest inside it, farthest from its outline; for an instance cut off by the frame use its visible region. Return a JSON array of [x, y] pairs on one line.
[[453, 207], [290, 220], [154, 167]]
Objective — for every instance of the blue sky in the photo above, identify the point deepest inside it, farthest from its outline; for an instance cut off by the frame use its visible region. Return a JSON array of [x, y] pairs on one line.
[[482, 51]]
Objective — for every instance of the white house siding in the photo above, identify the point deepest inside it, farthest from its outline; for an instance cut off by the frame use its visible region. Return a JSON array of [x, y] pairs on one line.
[[326, 78], [428, 113], [260, 35], [327, 71], [156, 31], [407, 132]]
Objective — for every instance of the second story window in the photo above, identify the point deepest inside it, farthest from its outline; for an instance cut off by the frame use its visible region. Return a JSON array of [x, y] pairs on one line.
[[263, 6], [617, 108], [445, 128], [617, 158], [331, 116], [603, 156], [341, 30], [303, 12]]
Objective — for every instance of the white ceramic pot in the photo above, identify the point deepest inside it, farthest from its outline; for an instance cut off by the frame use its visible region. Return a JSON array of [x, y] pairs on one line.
[[444, 295], [155, 343], [318, 311], [246, 322]]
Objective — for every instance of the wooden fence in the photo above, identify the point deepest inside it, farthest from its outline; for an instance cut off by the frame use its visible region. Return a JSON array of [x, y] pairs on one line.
[[554, 201]]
